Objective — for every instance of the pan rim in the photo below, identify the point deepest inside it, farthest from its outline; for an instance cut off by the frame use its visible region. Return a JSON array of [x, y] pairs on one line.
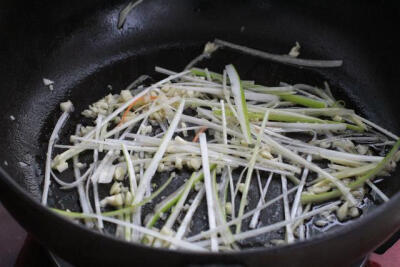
[[340, 232]]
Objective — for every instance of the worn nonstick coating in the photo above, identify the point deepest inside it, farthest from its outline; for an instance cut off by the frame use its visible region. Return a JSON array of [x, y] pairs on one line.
[[76, 44]]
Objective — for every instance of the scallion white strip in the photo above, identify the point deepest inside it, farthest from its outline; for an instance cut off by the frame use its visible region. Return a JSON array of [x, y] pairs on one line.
[[152, 168], [382, 130], [377, 191], [124, 12], [179, 206], [289, 230], [256, 215], [297, 197], [209, 196], [54, 136], [228, 168], [282, 58], [131, 170], [240, 102], [183, 228], [249, 174]]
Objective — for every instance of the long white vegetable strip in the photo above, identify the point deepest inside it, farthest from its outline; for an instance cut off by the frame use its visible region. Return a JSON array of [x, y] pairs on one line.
[[335, 154], [301, 227], [377, 191], [309, 126], [311, 149], [382, 130], [151, 169], [220, 217], [95, 177], [124, 12], [296, 201], [240, 102], [97, 137], [250, 172], [114, 144], [227, 95], [346, 172], [183, 228], [239, 180], [319, 111], [260, 187], [85, 204], [141, 154], [286, 89], [289, 230], [184, 76], [97, 204], [224, 129], [54, 135], [65, 185], [178, 207], [209, 196], [131, 170], [300, 222], [256, 215], [218, 91], [139, 80], [223, 189], [316, 91], [137, 216], [282, 58], [228, 168]]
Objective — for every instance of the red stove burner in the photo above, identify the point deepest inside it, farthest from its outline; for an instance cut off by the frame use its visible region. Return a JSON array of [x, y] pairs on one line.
[[17, 248], [391, 258], [20, 250], [12, 238]]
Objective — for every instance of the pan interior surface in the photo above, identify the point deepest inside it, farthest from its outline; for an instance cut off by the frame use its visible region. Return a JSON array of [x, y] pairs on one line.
[[90, 54]]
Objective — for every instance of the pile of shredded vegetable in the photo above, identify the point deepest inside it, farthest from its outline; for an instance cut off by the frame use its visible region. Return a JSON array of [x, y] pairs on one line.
[[215, 125]]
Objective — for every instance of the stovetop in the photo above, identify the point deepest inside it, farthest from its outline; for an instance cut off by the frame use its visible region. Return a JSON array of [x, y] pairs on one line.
[[19, 249]]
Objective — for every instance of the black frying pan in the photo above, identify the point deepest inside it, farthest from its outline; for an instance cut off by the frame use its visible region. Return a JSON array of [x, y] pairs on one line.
[[77, 44]]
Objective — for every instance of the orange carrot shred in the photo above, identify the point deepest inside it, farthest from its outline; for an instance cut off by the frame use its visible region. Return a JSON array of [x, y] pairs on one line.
[[125, 114], [202, 130]]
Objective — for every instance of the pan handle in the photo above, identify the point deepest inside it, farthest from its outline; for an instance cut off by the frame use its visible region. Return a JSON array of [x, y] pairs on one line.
[[388, 244]]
